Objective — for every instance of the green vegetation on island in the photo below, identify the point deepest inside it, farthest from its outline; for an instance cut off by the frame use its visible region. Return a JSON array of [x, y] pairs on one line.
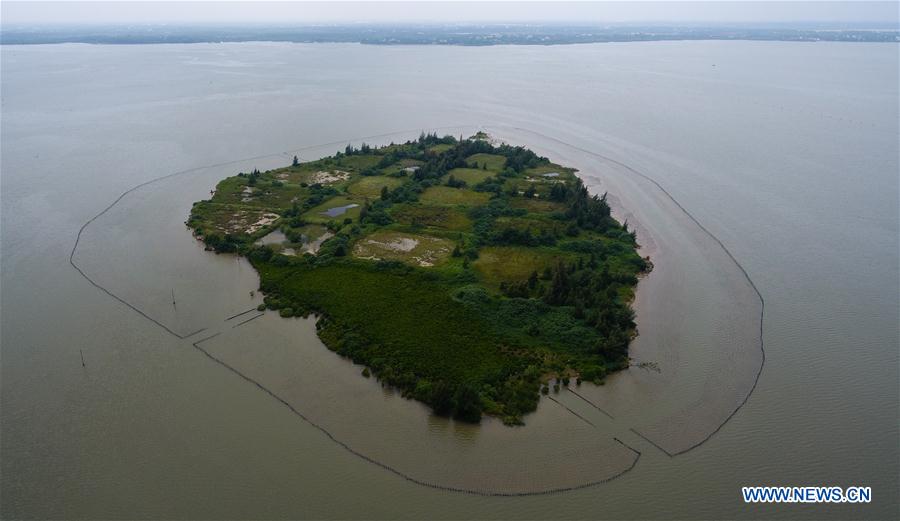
[[470, 276]]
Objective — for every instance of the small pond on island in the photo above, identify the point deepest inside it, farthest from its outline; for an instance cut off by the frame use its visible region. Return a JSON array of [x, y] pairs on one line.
[[338, 210]]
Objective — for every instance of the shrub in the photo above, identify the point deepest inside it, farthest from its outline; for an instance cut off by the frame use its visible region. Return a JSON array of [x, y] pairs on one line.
[[444, 335]]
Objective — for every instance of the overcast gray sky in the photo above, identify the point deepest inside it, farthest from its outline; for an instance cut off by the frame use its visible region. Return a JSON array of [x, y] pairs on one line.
[[14, 12]]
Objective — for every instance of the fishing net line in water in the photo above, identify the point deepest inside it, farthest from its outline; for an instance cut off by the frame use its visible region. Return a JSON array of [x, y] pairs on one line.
[[556, 450], [697, 312], [138, 249]]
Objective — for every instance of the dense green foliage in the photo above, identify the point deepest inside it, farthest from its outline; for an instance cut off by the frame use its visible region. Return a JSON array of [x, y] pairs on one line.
[[536, 285]]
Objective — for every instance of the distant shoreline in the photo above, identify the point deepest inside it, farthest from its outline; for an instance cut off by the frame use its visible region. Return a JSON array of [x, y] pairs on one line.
[[457, 35]]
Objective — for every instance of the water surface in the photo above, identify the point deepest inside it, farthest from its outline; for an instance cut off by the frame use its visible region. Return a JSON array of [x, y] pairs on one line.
[[786, 152], [338, 210]]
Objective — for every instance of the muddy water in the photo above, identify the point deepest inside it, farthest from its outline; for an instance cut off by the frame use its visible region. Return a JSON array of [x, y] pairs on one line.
[[705, 364], [793, 167]]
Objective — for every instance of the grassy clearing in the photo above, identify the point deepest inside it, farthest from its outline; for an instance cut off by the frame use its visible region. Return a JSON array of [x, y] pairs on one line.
[[541, 179], [440, 149], [412, 248], [471, 176], [232, 219], [443, 217], [498, 264], [370, 186], [535, 224], [451, 196], [358, 163], [236, 190], [541, 206], [566, 174], [310, 175], [494, 162]]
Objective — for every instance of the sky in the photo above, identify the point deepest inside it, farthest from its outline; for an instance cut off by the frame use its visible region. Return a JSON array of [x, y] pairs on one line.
[[635, 11]]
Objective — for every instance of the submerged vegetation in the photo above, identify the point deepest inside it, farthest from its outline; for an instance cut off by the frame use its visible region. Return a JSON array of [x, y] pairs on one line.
[[470, 276]]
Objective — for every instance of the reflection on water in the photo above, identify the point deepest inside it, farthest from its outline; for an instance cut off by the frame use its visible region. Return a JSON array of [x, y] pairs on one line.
[[313, 245], [273, 237], [278, 238], [338, 210]]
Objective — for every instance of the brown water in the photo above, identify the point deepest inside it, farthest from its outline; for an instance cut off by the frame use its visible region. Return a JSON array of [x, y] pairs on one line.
[[703, 376], [783, 171]]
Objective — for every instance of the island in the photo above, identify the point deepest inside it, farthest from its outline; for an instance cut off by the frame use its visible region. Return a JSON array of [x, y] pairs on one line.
[[467, 274]]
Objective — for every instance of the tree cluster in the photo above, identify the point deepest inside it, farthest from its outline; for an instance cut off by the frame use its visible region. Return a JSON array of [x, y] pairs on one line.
[[594, 295]]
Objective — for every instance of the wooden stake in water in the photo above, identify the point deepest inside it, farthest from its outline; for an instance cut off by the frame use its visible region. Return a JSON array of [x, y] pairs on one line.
[[173, 300], [82, 357]]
